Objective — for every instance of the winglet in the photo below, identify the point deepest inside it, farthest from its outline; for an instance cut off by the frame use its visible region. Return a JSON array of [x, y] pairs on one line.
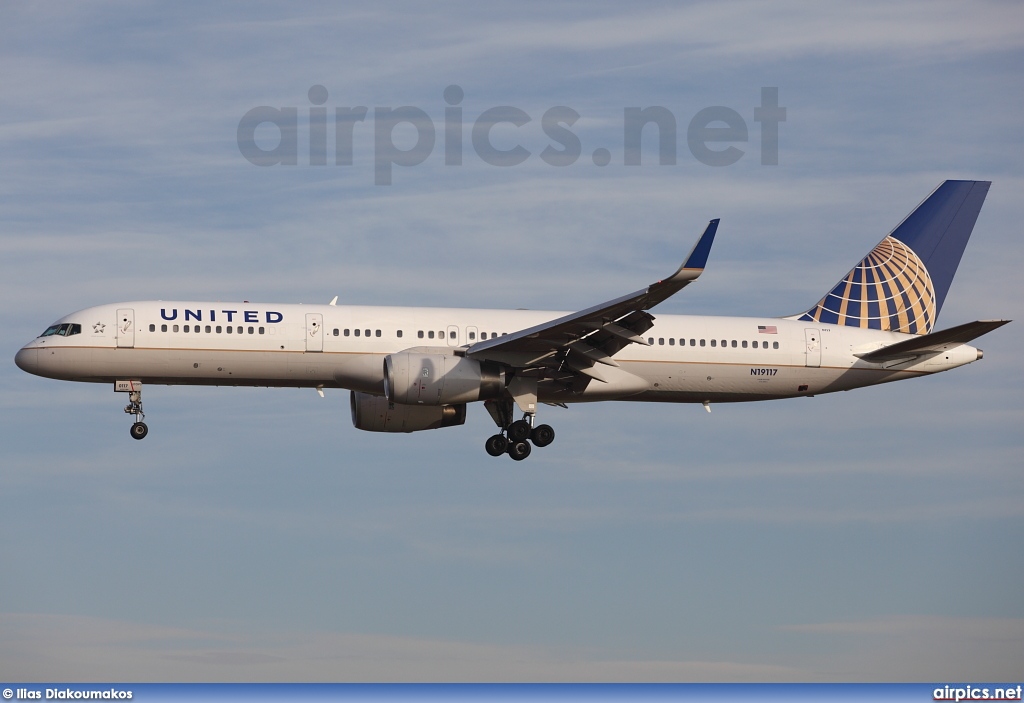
[[690, 270], [698, 258], [694, 264]]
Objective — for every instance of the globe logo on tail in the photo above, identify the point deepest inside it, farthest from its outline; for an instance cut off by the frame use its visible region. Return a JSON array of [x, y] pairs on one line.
[[890, 289]]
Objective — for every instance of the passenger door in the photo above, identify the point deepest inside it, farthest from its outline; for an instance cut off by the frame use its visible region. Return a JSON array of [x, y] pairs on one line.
[[125, 328], [314, 332], [812, 339]]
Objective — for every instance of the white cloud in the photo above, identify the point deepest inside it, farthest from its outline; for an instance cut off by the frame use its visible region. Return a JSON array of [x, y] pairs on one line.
[[921, 648], [905, 648], [53, 647]]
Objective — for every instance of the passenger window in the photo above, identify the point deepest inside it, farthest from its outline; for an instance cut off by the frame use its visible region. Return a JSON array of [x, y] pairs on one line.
[[430, 334], [744, 344], [377, 333], [367, 333], [650, 340], [734, 344], [661, 341], [775, 345], [440, 335], [472, 336], [714, 342], [152, 328], [419, 334], [671, 342], [251, 330], [239, 329], [336, 331], [229, 330], [261, 330], [346, 332], [451, 335], [693, 342], [175, 328], [357, 333], [163, 328], [208, 329], [185, 328], [702, 342], [399, 334]]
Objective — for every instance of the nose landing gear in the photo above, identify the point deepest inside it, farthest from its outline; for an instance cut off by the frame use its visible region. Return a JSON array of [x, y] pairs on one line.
[[139, 429]]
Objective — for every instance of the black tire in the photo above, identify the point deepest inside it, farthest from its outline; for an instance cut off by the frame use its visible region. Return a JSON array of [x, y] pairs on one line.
[[519, 431], [496, 445], [139, 430], [519, 450], [542, 435]]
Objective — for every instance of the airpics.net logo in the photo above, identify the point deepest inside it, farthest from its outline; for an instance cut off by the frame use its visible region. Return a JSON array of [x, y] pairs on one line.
[[716, 136]]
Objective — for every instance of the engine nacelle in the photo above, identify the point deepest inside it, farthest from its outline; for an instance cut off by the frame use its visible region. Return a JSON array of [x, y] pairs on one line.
[[412, 378], [375, 413]]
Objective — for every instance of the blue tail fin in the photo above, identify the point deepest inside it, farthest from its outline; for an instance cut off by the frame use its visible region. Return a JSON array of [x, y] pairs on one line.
[[902, 283]]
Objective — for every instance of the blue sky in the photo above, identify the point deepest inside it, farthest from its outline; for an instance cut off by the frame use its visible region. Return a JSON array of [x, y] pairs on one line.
[[255, 535]]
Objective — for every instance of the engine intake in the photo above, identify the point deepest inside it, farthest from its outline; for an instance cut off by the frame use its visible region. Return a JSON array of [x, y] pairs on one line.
[[412, 378], [375, 413]]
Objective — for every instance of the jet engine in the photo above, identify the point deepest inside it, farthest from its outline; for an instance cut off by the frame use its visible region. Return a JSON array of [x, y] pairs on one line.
[[416, 378], [375, 413]]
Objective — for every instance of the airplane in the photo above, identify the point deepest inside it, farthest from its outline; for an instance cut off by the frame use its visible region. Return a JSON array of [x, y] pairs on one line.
[[416, 368]]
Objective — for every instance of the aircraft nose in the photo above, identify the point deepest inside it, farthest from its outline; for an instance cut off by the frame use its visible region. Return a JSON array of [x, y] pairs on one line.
[[27, 359]]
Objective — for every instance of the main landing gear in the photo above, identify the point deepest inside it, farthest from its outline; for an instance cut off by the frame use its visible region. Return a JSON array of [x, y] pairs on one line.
[[515, 437], [139, 428]]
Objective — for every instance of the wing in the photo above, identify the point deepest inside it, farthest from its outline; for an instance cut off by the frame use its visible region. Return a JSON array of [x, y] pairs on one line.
[[566, 350]]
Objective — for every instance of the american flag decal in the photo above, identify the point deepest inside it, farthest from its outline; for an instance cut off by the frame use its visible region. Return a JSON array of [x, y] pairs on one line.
[[767, 329]]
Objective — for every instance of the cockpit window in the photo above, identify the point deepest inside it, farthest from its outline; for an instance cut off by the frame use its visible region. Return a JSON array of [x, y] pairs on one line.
[[65, 330]]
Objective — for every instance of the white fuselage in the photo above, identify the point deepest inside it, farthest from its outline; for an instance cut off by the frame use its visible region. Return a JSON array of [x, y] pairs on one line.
[[690, 358]]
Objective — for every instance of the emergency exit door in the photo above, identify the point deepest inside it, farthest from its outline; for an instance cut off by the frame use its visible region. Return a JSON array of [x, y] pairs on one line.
[[314, 332]]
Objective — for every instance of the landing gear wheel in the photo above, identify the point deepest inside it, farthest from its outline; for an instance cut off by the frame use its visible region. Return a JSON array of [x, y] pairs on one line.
[[139, 430], [542, 435], [496, 445], [519, 431], [519, 450]]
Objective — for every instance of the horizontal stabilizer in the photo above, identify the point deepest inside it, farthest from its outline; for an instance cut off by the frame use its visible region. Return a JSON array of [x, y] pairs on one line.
[[934, 342]]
